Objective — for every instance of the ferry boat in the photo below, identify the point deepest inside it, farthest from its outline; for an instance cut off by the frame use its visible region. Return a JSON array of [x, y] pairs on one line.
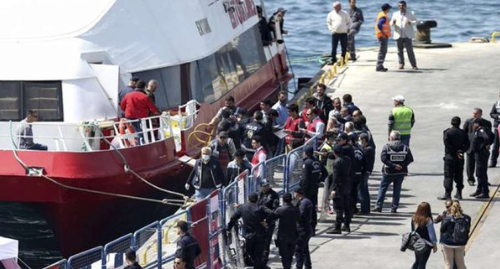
[[68, 60]]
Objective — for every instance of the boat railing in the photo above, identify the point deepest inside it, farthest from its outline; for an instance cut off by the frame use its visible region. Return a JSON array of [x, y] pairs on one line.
[[89, 136], [207, 218], [103, 135]]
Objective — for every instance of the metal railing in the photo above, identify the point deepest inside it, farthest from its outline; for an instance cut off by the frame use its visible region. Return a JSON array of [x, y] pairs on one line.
[[155, 243]]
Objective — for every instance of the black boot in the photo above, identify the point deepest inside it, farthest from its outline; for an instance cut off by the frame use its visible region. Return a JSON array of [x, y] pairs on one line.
[[336, 230], [346, 228], [446, 196], [458, 195]]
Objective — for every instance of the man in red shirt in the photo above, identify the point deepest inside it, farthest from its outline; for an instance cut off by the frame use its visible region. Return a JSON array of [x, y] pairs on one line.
[[293, 126], [137, 105]]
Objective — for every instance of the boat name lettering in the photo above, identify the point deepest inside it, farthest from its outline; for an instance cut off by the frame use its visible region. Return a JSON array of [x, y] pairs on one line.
[[203, 27], [244, 10]]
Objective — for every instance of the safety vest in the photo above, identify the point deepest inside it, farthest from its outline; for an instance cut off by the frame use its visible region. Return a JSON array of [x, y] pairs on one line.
[[292, 125], [257, 154], [311, 127], [386, 28], [327, 161], [396, 157], [402, 119]]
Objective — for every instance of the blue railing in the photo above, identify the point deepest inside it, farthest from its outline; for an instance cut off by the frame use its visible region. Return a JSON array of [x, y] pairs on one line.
[[155, 243]]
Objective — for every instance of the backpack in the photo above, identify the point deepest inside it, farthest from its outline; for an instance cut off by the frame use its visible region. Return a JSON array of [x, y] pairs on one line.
[[414, 242], [461, 230]]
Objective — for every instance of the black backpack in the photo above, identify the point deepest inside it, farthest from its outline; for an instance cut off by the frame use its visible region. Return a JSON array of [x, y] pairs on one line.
[[461, 230]]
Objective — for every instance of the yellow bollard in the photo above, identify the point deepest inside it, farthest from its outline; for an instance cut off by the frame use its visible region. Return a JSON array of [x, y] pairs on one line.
[[347, 57], [335, 69], [493, 35], [341, 62], [322, 79]]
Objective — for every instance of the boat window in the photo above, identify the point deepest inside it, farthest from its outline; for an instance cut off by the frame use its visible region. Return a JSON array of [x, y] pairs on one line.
[[17, 97], [249, 54], [168, 93]]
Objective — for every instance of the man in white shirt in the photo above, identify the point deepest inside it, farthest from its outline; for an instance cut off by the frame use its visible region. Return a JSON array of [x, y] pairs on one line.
[[403, 22], [339, 23]]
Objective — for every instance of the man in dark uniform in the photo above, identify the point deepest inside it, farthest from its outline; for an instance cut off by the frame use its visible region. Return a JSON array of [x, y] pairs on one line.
[[288, 216], [396, 156], [312, 173], [131, 259], [481, 147], [495, 115], [187, 246], [255, 128], [456, 142], [302, 255], [468, 127], [340, 190], [254, 217], [271, 200], [358, 164]]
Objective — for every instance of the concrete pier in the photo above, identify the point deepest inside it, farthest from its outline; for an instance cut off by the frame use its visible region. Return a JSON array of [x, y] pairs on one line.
[[450, 82]]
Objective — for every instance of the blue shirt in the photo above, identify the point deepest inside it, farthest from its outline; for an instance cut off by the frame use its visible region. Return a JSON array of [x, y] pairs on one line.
[[283, 113], [381, 22]]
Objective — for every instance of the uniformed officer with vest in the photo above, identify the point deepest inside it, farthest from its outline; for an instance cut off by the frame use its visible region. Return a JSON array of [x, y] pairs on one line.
[[340, 190], [288, 216], [271, 200], [254, 230], [456, 142], [313, 172], [396, 156], [495, 115], [401, 119], [481, 148], [255, 128], [187, 246], [382, 32]]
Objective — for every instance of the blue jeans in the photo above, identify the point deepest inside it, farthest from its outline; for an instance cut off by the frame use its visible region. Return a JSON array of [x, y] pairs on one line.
[[397, 181], [405, 139], [138, 129], [202, 193], [364, 194]]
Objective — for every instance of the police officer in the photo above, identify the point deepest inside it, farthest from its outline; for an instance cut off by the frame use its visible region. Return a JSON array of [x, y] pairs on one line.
[[340, 190], [288, 216], [469, 128], [271, 200], [495, 115], [481, 149], [396, 156], [358, 164], [187, 246], [369, 156], [401, 119], [456, 142], [306, 207], [254, 224], [255, 128], [312, 173]]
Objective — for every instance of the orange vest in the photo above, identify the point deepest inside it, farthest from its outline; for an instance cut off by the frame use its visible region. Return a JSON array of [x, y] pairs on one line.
[[386, 28]]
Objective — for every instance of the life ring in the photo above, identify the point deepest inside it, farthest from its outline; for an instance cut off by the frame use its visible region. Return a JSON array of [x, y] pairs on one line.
[[122, 128]]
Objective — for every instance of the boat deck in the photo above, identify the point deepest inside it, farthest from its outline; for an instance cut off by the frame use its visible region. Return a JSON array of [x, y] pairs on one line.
[[450, 82]]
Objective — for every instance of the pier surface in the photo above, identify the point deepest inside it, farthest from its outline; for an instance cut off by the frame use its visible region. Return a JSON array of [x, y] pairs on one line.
[[450, 82]]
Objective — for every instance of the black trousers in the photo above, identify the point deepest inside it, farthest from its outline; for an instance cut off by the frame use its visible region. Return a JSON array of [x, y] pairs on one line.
[[302, 255], [421, 259], [343, 45], [482, 172], [286, 248], [496, 146], [269, 239], [255, 249], [313, 196], [471, 165], [355, 190], [453, 172], [342, 207]]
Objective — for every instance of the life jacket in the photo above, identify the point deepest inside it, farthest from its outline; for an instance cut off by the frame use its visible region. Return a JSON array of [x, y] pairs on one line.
[[327, 162], [402, 119], [311, 127], [386, 28], [397, 157], [292, 125]]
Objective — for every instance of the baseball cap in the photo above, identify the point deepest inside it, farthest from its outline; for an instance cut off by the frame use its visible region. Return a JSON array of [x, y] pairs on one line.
[[399, 98], [342, 136], [134, 79], [386, 6], [309, 151]]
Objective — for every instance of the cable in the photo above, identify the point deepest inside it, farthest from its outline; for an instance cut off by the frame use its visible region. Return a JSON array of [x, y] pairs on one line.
[[25, 264], [291, 67]]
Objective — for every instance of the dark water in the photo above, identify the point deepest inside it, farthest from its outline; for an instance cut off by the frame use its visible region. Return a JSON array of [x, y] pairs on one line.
[[458, 20]]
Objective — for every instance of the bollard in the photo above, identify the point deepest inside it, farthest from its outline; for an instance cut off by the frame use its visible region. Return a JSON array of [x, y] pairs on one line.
[[347, 58], [322, 79], [494, 35], [423, 34], [335, 69]]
